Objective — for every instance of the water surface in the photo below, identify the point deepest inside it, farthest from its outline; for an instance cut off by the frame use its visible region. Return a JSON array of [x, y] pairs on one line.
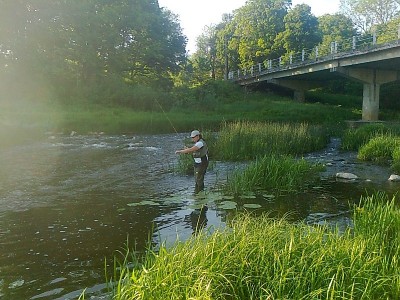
[[67, 204]]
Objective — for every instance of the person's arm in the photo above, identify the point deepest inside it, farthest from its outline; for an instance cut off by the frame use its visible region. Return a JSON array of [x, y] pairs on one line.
[[187, 150]]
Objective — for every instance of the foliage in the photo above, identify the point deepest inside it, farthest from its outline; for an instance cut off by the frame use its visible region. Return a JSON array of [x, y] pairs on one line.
[[243, 140], [297, 261], [272, 173], [300, 30], [354, 138], [335, 28], [396, 160], [76, 46], [379, 149], [366, 14], [340, 100], [256, 26]]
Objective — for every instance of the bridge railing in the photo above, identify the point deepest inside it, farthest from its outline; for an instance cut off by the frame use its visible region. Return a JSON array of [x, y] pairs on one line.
[[335, 49]]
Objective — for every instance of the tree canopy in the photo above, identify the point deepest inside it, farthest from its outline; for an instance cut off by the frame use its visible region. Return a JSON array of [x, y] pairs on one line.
[[80, 43]]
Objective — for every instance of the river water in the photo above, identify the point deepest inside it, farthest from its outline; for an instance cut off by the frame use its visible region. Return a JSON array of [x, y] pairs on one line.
[[69, 204]]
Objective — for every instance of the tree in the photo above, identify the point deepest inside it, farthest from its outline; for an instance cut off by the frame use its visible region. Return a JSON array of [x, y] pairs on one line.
[[335, 28], [301, 30], [79, 44], [204, 59], [366, 14], [256, 25]]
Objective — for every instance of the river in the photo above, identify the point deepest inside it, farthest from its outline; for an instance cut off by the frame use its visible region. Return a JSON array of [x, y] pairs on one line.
[[68, 204]]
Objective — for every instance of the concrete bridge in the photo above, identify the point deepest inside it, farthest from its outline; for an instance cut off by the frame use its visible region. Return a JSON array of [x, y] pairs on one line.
[[372, 64]]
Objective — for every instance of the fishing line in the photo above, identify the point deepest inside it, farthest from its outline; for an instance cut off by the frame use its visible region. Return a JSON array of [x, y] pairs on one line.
[[166, 116]]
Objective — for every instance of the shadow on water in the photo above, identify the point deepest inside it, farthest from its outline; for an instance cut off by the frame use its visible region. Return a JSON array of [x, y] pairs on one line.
[[69, 203]]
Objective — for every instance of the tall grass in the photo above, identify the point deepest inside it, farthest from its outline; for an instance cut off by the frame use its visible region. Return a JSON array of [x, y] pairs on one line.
[[354, 138], [243, 140], [264, 258], [272, 173], [379, 149]]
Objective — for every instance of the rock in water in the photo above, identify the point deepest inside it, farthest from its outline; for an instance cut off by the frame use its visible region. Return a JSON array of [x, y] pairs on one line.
[[394, 177], [348, 176]]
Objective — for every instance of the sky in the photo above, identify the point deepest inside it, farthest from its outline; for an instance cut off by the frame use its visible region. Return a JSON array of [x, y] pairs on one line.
[[194, 15]]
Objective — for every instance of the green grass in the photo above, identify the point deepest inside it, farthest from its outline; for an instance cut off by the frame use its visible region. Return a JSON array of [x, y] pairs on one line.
[[273, 173], [382, 149], [47, 116], [354, 138], [264, 258], [379, 149], [248, 140]]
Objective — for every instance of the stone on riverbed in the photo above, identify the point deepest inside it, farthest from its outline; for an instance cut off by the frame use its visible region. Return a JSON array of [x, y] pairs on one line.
[[394, 177], [348, 176]]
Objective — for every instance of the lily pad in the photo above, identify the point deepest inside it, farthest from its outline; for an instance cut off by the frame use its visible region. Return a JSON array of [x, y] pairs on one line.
[[268, 196], [143, 203], [252, 205], [228, 205], [248, 196], [177, 199], [318, 187]]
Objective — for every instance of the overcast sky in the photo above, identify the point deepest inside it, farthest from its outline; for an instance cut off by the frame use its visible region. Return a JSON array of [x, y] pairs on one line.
[[194, 15]]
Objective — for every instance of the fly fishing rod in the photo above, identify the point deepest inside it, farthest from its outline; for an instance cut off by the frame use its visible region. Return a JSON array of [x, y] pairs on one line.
[[166, 116]]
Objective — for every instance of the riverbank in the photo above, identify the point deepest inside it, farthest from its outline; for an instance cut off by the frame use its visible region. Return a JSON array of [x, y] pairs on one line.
[[47, 117], [297, 262]]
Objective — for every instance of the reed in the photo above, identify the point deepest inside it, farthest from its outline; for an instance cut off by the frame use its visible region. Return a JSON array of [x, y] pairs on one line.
[[379, 149], [273, 173], [264, 258], [354, 138], [243, 140], [396, 160]]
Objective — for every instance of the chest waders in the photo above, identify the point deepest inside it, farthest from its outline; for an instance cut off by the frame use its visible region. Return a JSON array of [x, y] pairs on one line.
[[200, 168]]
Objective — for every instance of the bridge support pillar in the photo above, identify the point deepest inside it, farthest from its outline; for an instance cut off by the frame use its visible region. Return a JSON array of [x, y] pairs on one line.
[[298, 86], [370, 106], [372, 79], [299, 95]]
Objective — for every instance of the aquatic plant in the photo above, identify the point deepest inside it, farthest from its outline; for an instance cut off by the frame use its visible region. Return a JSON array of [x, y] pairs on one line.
[[396, 160], [273, 173], [265, 258], [243, 140], [354, 138], [379, 149]]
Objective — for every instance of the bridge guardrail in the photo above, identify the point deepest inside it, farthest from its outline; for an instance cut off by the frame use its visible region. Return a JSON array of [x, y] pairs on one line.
[[349, 47]]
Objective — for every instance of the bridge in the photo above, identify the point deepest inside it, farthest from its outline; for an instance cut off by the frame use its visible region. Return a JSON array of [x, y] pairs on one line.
[[367, 61]]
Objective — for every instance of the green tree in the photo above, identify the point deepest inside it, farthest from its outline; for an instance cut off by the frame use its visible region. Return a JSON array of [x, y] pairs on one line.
[[335, 28], [301, 30], [205, 57], [366, 14], [256, 25], [78, 45]]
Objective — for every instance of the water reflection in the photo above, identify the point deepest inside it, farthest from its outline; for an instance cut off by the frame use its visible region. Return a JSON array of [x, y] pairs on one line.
[[198, 219], [68, 203]]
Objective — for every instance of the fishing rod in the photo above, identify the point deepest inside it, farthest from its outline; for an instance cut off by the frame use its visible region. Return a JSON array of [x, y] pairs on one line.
[[166, 116]]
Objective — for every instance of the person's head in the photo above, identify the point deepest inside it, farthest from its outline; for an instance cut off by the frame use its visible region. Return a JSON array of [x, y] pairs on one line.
[[195, 135]]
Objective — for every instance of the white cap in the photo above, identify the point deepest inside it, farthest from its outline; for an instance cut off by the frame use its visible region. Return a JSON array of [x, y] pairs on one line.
[[194, 133]]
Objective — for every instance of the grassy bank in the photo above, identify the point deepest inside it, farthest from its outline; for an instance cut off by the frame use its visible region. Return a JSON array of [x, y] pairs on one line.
[[83, 118], [378, 143], [263, 258]]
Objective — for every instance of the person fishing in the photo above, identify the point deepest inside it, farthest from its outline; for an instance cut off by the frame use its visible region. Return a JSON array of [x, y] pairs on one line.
[[200, 155]]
